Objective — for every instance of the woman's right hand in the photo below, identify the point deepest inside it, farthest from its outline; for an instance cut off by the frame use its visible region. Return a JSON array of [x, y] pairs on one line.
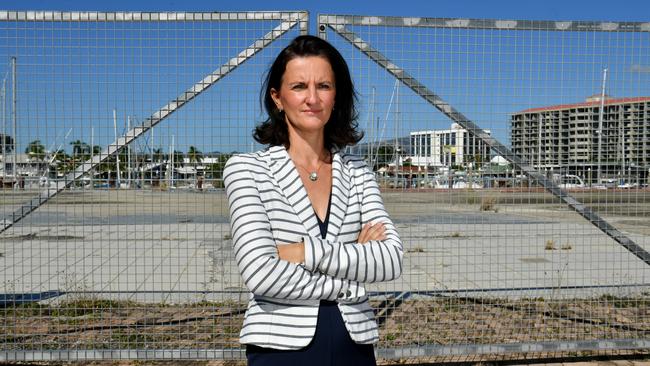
[[372, 231]]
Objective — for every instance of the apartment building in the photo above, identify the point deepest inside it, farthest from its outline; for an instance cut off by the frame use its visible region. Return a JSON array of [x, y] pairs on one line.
[[581, 139]]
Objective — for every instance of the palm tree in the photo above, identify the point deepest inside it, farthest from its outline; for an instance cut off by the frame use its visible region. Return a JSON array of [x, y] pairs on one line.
[[158, 155], [178, 158], [76, 147], [61, 156], [63, 161], [195, 155], [35, 150], [383, 158], [215, 170], [80, 151]]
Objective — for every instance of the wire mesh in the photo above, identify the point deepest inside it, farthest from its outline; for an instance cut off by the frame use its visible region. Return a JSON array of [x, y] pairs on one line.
[[122, 125], [115, 240], [523, 217]]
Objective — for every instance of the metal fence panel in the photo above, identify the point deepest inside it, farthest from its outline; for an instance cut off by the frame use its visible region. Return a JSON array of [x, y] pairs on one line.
[[523, 216], [519, 191], [115, 239]]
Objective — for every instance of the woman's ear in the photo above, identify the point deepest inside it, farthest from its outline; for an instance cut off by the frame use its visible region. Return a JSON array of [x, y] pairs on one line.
[[276, 98]]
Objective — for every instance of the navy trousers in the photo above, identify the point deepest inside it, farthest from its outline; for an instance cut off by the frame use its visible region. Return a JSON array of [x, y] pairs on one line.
[[331, 346]]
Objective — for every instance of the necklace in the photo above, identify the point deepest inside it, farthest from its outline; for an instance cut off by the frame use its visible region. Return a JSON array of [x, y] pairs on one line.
[[313, 176]]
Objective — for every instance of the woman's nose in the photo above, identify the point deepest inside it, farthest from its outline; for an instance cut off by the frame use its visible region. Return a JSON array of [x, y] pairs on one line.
[[312, 95]]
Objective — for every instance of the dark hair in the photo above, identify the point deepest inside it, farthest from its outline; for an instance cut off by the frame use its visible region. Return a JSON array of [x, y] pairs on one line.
[[341, 129]]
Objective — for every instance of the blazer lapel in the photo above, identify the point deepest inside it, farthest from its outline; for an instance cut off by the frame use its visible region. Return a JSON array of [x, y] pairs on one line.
[[288, 179], [341, 181]]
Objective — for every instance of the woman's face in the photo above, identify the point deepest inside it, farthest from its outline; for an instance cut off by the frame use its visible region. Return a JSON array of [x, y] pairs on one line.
[[306, 94]]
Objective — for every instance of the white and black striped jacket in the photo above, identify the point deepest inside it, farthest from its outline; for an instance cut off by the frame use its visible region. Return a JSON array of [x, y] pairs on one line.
[[269, 206]]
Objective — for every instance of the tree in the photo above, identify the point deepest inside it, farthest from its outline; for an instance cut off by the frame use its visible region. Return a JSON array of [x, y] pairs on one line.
[[158, 155], [35, 150], [63, 161], [215, 170], [61, 156], [178, 158], [382, 156], [80, 149], [194, 155]]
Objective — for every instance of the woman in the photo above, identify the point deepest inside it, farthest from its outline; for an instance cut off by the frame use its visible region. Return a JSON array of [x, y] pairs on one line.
[[308, 224]]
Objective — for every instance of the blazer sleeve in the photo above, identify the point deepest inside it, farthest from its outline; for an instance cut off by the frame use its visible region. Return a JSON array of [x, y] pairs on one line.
[[263, 272], [374, 261]]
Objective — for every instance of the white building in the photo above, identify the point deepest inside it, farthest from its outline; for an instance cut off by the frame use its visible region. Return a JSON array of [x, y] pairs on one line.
[[444, 148]]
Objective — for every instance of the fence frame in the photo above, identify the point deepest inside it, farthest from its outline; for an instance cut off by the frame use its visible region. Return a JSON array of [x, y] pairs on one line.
[[336, 23], [288, 21]]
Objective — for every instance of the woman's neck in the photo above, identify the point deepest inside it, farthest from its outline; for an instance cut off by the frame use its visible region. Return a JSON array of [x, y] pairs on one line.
[[307, 150]]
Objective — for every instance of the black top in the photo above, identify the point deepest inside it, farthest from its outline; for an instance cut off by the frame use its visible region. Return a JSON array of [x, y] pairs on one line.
[[323, 224]]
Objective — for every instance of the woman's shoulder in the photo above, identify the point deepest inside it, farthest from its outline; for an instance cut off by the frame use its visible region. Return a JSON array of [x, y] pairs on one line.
[[253, 159], [353, 161]]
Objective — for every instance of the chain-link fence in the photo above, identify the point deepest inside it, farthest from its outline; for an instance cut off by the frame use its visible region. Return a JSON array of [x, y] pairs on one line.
[[513, 156]]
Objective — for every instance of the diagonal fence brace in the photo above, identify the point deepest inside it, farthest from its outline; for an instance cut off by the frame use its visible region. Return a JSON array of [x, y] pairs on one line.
[[154, 119], [456, 116]]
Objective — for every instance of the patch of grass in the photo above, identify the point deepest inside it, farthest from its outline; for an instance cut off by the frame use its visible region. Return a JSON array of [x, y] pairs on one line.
[[25, 310], [216, 304], [566, 246], [416, 249], [455, 234], [550, 245], [83, 307], [625, 302], [489, 204], [131, 340]]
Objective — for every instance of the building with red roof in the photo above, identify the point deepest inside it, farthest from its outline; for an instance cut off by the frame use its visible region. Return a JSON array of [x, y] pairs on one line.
[[570, 138]]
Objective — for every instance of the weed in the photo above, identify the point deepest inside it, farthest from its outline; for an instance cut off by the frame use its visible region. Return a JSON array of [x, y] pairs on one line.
[[131, 340], [25, 310], [550, 245], [489, 204], [566, 246], [625, 302], [416, 249], [84, 307]]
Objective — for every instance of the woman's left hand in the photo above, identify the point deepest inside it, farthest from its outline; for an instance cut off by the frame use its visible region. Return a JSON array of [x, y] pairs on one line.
[[294, 252], [372, 231]]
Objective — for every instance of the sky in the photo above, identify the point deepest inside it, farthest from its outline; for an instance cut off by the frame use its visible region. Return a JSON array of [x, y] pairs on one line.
[[458, 86], [622, 10]]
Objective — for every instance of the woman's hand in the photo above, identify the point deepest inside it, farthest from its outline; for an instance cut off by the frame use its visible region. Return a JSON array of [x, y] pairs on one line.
[[372, 231], [294, 252]]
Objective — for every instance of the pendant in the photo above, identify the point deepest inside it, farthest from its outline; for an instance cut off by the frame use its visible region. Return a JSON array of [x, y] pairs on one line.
[[313, 176]]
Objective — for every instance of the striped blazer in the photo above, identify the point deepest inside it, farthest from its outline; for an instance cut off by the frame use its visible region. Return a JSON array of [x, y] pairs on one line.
[[268, 207]]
